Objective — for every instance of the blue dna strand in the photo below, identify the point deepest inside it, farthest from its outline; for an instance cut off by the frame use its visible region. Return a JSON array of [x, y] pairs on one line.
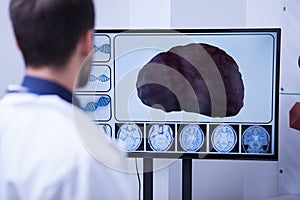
[[92, 106], [105, 48], [105, 128], [101, 78]]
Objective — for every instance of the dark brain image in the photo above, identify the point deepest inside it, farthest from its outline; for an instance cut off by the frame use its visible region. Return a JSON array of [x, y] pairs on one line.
[[198, 78]]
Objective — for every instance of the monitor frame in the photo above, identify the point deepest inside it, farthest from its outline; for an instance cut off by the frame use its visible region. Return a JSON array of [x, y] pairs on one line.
[[116, 123]]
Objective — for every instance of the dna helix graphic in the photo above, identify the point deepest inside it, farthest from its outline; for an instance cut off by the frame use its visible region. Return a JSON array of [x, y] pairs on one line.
[[101, 78], [106, 129], [92, 106], [105, 48]]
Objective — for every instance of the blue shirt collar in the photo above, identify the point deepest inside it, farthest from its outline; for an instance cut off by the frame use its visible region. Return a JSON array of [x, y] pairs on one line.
[[41, 86]]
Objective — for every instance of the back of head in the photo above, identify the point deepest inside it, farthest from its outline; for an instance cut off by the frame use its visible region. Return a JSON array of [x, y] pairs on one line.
[[47, 31]]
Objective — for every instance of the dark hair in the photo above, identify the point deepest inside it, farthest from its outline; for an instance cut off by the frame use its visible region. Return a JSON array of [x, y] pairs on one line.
[[47, 31]]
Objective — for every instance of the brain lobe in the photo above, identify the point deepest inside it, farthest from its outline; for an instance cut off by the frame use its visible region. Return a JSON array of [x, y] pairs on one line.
[[198, 78]]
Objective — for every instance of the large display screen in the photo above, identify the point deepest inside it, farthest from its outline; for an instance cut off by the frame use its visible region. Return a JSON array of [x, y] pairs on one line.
[[186, 93]]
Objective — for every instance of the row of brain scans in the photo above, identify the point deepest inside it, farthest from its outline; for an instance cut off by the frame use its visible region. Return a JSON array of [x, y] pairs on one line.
[[224, 138]]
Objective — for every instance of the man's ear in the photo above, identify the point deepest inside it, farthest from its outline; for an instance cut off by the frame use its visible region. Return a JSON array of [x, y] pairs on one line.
[[86, 42]]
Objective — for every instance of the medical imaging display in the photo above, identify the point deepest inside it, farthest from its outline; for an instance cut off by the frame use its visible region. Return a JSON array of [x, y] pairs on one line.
[[192, 93], [256, 139], [92, 106], [98, 106], [191, 62], [223, 138], [129, 137], [160, 137], [101, 78], [191, 138]]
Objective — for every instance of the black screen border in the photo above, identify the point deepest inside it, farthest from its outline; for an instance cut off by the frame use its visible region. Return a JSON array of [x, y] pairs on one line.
[[218, 156]]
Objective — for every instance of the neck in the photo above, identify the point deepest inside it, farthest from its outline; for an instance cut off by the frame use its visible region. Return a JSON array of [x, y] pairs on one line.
[[63, 77]]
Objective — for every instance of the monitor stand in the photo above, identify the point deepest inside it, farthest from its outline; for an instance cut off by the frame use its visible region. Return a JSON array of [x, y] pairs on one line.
[[148, 179]]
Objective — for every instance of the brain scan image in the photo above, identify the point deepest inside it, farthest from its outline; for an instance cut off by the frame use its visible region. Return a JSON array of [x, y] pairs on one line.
[[183, 79], [191, 138], [256, 139], [223, 138], [160, 137], [129, 136]]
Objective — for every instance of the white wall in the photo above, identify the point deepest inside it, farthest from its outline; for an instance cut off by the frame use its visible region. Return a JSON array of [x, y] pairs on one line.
[[11, 65], [289, 162], [208, 14]]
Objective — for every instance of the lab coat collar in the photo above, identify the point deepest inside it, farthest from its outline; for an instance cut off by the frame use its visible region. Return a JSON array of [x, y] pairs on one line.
[[41, 86]]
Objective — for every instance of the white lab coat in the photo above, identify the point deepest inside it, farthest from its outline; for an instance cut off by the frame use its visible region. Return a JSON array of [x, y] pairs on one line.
[[42, 156]]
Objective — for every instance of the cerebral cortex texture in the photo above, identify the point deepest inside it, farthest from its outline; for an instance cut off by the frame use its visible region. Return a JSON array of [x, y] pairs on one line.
[[198, 78]]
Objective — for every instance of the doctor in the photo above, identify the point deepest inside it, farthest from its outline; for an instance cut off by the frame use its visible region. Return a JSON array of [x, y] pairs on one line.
[[42, 155]]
